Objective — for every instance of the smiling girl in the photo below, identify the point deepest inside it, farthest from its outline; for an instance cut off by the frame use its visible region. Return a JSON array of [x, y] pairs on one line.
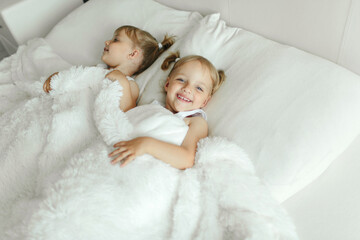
[[189, 87]]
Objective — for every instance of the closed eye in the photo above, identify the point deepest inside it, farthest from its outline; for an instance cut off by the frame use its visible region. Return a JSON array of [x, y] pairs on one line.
[[180, 80], [200, 89]]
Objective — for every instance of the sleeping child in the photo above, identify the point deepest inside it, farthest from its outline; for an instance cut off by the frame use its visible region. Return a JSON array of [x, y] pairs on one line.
[[128, 53], [39, 134]]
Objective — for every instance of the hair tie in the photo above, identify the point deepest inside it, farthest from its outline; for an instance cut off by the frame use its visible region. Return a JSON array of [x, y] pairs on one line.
[[177, 59], [160, 45]]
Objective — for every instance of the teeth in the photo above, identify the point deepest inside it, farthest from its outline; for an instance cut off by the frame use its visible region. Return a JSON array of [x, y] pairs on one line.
[[185, 99]]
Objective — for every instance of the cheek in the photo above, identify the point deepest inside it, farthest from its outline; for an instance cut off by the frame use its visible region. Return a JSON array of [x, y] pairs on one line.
[[171, 87], [114, 48], [203, 99]]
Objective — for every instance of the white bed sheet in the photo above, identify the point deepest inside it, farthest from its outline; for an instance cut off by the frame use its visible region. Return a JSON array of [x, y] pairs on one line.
[[329, 207]]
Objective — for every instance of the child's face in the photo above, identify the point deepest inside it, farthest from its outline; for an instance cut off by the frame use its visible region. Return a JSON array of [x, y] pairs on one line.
[[118, 50], [188, 87]]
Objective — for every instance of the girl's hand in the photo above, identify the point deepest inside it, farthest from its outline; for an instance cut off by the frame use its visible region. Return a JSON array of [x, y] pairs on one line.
[[128, 150], [46, 85]]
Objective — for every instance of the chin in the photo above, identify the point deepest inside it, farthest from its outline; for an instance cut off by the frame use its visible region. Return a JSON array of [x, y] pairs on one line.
[[182, 110]]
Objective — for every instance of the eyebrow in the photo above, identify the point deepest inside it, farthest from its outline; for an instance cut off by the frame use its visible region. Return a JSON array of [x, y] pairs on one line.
[[205, 86], [117, 34], [201, 84]]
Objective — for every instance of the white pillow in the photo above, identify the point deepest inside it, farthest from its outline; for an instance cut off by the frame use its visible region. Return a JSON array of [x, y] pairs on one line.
[[79, 38], [292, 112]]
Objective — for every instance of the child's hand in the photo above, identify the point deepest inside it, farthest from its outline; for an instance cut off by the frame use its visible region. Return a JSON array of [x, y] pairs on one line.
[[46, 86], [128, 150]]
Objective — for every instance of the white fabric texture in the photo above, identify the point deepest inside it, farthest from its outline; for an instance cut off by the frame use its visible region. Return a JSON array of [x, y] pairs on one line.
[[192, 113], [19, 71], [40, 131], [57, 182], [292, 112], [185, 114]]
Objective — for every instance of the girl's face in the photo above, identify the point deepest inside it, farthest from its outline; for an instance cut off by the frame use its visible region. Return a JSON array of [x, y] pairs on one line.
[[118, 50], [188, 87]]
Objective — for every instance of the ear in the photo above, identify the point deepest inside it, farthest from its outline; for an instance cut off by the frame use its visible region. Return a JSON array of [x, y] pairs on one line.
[[205, 102], [166, 86], [134, 54]]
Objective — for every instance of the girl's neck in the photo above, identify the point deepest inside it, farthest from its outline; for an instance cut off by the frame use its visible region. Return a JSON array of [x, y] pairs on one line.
[[124, 70], [128, 70]]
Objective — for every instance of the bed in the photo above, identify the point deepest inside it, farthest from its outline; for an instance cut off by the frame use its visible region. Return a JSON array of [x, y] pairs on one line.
[[290, 104]]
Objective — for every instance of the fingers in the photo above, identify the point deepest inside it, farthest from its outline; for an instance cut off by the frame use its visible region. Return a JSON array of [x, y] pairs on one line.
[[117, 151], [46, 86], [121, 148], [127, 160], [119, 144], [125, 154], [121, 155]]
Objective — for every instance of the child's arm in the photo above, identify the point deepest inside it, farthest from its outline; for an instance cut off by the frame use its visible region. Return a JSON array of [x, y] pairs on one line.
[[130, 90], [180, 157]]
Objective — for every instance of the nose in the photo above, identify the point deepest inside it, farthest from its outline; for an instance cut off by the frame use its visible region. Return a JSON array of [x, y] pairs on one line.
[[187, 88], [107, 42]]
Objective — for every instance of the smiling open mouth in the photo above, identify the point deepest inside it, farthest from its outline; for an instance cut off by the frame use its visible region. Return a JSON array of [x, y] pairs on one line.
[[183, 98]]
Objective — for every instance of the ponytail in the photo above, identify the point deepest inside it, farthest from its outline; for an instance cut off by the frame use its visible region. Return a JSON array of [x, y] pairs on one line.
[[166, 43], [221, 79], [170, 59]]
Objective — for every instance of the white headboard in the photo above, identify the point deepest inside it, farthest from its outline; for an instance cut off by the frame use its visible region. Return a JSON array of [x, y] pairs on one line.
[[327, 28]]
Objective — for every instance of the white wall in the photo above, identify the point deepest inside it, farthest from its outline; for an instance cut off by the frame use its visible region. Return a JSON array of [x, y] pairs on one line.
[[327, 28]]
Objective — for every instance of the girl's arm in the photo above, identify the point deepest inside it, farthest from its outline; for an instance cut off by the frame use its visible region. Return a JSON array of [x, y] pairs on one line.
[[180, 157], [130, 90]]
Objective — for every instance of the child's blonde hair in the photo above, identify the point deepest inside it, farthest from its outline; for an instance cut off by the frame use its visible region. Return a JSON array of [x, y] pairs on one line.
[[217, 76], [150, 47]]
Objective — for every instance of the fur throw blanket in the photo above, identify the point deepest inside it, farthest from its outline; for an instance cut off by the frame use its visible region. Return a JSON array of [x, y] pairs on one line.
[[57, 182]]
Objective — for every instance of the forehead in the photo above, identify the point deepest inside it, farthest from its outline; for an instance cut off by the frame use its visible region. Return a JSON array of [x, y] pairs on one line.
[[120, 32], [194, 70], [123, 36]]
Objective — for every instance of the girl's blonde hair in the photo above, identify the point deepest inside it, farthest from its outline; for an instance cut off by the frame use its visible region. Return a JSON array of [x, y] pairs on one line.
[[150, 47], [218, 77]]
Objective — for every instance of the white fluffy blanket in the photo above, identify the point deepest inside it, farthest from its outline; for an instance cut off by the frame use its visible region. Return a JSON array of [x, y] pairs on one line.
[[57, 182]]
